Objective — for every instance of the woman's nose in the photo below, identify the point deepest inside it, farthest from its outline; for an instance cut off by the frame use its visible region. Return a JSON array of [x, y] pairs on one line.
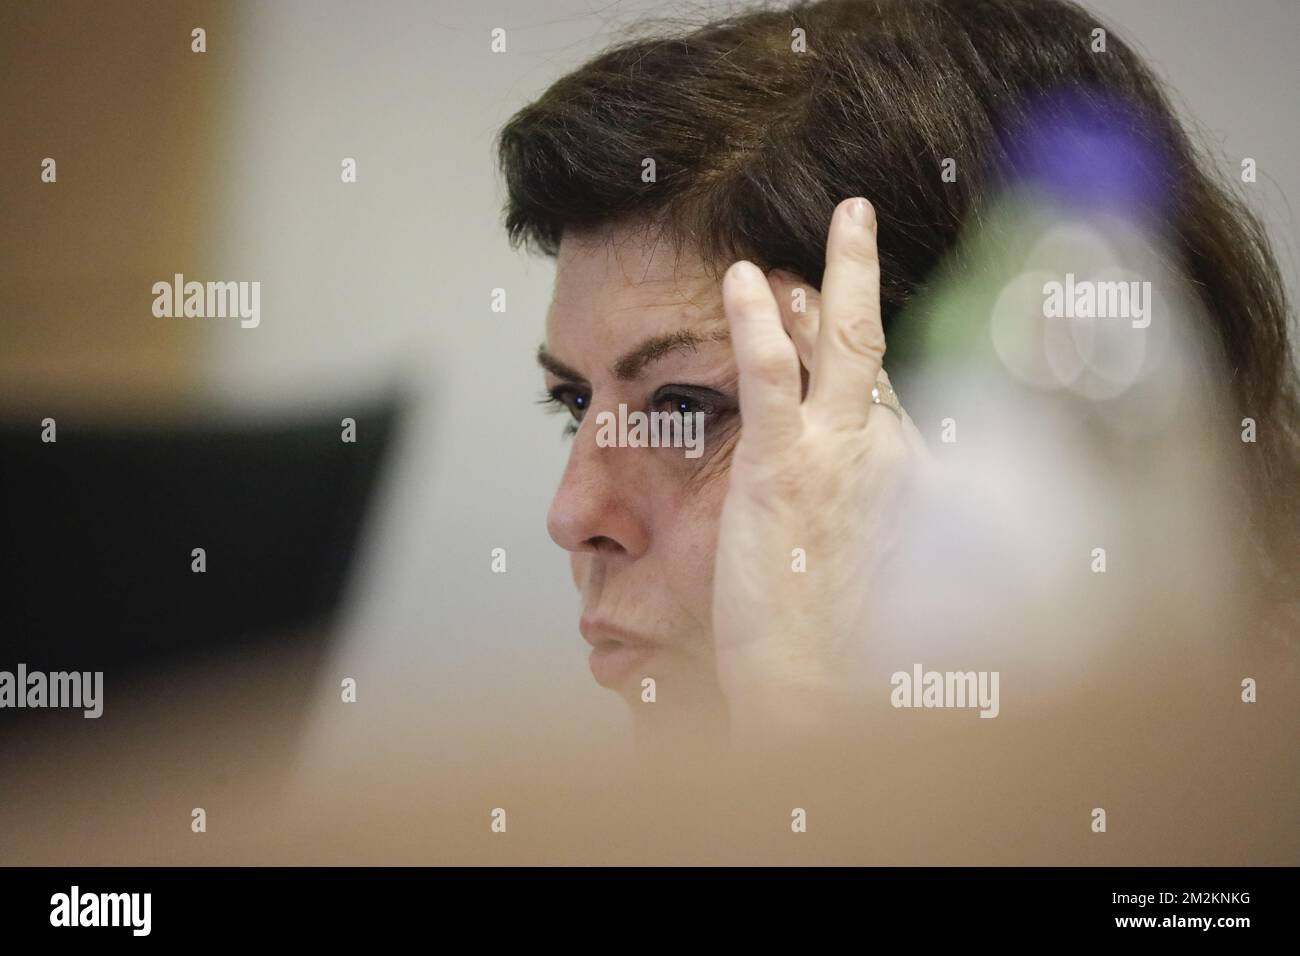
[[598, 505]]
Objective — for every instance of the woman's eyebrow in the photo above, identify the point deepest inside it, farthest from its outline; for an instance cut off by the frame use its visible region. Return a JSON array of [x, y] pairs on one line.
[[633, 362], [557, 368]]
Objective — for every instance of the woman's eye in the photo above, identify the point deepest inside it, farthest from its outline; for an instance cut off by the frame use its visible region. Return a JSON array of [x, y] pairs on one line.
[[684, 403], [568, 398]]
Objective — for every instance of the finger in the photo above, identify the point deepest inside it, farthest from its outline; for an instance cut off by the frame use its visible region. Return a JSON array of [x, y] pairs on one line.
[[851, 340], [800, 312], [766, 359]]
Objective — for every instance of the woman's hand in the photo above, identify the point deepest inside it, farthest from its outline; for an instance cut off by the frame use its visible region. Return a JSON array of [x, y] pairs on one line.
[[812, 484]]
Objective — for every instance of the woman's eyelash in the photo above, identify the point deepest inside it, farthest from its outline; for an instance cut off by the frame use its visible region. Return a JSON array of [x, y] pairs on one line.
[[704, 400], [550, 402], [565, 398], [674, 402]]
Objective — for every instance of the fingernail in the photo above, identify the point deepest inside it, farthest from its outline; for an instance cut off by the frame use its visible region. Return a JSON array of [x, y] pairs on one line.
[[860, 211], [745, 271]]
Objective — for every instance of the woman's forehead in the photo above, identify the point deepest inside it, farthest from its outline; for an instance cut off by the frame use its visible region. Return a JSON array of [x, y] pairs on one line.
[[630, 284]]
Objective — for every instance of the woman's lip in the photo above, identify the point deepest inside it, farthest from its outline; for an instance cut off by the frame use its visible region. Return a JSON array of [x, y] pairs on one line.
[[616, 653], [596, 632]]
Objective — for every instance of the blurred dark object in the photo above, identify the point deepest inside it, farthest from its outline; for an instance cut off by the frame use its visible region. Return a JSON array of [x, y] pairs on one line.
[[98, 531]]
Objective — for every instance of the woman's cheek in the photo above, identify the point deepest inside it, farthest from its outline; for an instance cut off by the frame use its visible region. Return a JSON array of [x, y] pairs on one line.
[[706, 474], [704, 516]]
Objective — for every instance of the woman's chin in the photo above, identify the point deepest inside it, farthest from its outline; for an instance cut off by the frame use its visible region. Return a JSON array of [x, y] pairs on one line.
[[621, 667]]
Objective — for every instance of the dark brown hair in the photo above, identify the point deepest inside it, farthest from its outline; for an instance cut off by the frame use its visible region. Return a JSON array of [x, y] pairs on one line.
[[754, 146]]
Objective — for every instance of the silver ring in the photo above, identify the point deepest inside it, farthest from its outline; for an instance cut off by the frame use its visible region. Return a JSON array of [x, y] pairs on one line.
[[884, 394]]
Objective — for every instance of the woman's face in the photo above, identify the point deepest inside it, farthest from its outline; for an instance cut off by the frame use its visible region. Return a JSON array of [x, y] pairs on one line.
[[633, 324]]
